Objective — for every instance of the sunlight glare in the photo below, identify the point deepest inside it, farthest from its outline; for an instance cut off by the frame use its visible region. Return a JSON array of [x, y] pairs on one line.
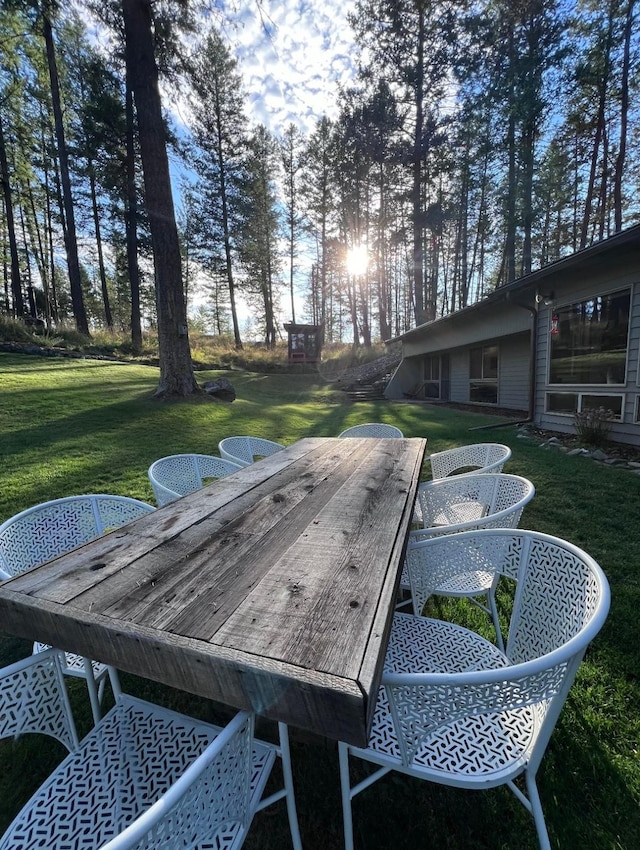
[[357, 259]]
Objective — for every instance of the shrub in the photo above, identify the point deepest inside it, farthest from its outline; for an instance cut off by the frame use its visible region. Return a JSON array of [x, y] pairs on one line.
[[593, 425], [14, 330]]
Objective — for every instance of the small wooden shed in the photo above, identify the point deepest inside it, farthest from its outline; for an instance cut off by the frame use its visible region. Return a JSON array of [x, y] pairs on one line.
[[304, 343]]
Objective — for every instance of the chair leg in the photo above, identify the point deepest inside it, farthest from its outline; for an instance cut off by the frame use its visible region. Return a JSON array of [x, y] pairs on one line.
[[93, 690], [285, 754], [496, 620], [345, 786], [115, 683], [536, 811]]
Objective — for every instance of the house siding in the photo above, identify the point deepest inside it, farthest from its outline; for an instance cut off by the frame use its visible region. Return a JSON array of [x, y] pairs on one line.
[[459, 365], [513, 370]]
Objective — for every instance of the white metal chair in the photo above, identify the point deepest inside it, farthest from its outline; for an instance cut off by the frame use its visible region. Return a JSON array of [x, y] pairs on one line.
[[245, 450], [373, 429], [176, 475], [477, 457], [462, 503], [144, 777], [455, 710], [53, 528]]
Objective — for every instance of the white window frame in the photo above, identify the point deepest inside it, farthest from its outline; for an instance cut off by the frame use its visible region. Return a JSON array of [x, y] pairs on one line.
[[580, 396]]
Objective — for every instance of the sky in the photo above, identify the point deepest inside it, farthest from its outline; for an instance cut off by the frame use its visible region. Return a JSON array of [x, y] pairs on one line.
[[292, 54]]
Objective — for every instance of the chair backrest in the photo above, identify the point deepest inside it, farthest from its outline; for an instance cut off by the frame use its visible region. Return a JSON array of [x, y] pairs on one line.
[[245, 450], [561, 602], [373, 429], [477, 500], [33, 698], [176, 475], [212, 795], [477, 457], [52, 528]]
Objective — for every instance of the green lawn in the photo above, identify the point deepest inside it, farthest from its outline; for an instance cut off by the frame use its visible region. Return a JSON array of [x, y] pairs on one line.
[[74, 426]]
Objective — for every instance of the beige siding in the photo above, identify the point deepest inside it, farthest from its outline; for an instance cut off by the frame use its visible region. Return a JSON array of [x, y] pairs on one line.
[[465, 329], [459, 365], [513, 366]]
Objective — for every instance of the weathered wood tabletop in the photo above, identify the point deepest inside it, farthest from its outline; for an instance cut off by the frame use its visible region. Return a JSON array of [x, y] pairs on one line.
[[271, 589]]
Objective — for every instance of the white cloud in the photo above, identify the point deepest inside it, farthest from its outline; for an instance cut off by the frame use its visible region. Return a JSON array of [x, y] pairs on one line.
[[292, 54]]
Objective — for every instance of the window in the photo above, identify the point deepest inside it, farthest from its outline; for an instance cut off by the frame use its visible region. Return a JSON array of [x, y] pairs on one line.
[[589, 341], [638, 408], [568, 404], [432, 376], [483, 374]]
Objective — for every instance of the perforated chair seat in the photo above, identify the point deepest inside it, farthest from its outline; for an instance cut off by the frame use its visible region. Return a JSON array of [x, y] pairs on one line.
[[435, 646], [373, 429], [176, 475], [147, 777], [245, 450]]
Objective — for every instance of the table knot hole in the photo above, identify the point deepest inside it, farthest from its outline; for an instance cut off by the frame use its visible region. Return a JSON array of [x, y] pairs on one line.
[[354, 604]]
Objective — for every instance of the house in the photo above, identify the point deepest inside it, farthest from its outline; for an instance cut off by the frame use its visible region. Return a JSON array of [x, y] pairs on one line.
[[562, 339]]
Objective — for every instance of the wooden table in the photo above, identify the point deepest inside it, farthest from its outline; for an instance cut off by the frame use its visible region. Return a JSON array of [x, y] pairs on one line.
[[271, 589]]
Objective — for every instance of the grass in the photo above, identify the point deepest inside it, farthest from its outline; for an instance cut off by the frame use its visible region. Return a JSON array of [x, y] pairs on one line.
[[73, 426]]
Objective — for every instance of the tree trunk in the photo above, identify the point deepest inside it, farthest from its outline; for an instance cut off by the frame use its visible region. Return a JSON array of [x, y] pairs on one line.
[[226, 230], [176, 368], [41, 257], [600, 126], [418, 253], [131, 220], [31, 299], [624, 110], [71, 243], [509, 264], [384, 307], [16, 283], [101, 270]]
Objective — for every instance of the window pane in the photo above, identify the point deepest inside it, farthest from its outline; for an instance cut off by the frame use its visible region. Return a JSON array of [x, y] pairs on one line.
[[562, 402], [490, 362], [432, 390], [590, 346], [483, 393], [475, 363], [432, 368], [608, 402]]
